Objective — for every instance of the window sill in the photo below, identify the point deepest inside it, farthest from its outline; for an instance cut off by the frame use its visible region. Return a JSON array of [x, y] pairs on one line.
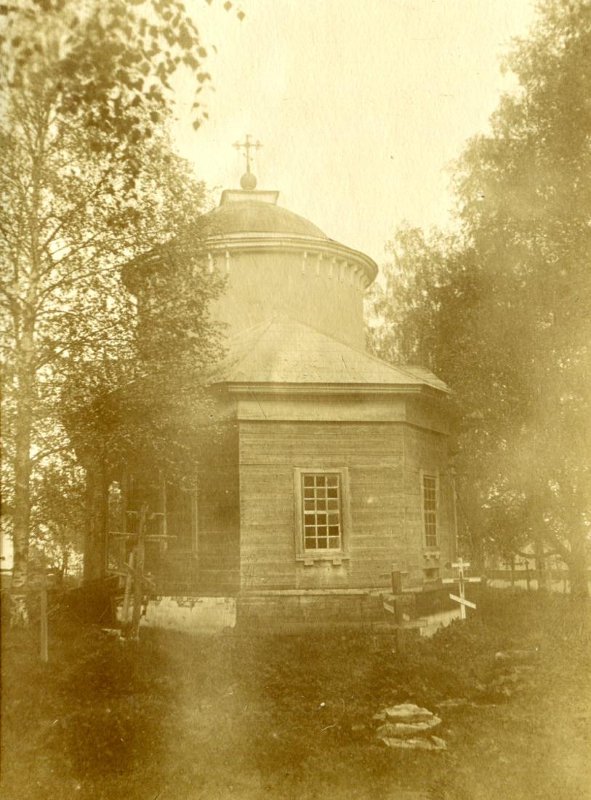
[[309, 559]]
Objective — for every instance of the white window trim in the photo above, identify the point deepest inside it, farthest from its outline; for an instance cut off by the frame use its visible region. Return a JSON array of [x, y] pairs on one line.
[[425, 473], [310, 556]]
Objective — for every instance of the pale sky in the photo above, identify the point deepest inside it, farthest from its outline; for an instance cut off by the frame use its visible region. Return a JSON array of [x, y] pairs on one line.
[[360, 104]]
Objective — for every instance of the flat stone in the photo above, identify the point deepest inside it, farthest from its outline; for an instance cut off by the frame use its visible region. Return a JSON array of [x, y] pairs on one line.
[[407, 712], [415, 744], [401, 730], [440, 744]]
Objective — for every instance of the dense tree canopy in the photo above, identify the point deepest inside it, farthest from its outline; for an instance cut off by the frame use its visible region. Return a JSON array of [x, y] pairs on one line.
[[501, 310], [89, 182]]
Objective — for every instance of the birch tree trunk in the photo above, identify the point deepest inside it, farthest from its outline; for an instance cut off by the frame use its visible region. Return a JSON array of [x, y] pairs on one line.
[[22, 485], [28, 273]]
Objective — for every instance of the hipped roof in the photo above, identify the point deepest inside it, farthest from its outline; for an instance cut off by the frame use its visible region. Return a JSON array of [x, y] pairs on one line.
[[288, 353]]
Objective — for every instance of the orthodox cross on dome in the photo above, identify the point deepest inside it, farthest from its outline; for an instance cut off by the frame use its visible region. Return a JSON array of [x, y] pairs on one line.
[[248, 181]]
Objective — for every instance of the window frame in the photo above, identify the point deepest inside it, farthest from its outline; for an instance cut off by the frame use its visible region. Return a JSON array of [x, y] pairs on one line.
[[335, 555], [434, 474]]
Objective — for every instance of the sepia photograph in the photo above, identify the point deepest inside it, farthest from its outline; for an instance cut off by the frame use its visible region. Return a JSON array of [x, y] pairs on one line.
[[295, 340]]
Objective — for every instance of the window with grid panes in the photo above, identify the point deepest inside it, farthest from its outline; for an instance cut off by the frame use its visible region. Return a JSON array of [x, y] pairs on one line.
[[321, 498], [430, 509]]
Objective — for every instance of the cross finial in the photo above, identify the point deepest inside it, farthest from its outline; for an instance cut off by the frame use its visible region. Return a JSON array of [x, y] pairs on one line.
[[248, 180]]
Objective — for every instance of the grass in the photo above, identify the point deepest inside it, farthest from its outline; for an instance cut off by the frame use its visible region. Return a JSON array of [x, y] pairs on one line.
[[291, 717]]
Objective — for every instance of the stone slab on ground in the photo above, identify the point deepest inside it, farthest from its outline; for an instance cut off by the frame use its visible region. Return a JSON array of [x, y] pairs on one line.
[[409, 727], [401, 730], [432, 743], [407, 712]]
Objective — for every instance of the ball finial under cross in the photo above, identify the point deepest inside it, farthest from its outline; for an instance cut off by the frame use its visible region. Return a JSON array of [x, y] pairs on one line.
[[248, 181]]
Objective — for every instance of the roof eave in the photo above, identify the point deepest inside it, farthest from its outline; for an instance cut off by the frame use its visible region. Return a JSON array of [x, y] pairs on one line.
[[260, 387], [283, 241]]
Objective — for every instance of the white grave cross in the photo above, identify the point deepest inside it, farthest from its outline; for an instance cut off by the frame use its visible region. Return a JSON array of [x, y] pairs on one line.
[[461, 580]]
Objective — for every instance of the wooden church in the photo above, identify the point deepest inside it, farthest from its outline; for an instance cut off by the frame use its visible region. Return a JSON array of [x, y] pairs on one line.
[[334, 469]]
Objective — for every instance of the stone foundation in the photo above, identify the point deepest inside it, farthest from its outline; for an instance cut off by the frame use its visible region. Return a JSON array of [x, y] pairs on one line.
[[295, 611], [191, 614], [300, 611]]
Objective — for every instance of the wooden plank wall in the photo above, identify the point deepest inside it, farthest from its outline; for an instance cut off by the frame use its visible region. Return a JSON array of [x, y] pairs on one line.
[[380, 499], [427, 451], [218, 516]]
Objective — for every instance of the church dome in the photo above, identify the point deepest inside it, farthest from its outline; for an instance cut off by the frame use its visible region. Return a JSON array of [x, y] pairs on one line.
[[278, 263], [258, 216]]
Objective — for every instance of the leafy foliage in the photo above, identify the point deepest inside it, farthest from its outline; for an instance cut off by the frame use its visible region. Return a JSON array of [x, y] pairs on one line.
[[499, 311], [90, 182], [112, 60]]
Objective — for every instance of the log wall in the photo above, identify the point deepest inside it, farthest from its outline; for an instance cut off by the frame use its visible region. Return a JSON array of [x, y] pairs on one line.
[[383, 462], [218, 518]]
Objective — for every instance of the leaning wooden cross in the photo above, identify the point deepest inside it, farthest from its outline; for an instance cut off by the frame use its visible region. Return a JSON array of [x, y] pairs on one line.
[[462, 580]]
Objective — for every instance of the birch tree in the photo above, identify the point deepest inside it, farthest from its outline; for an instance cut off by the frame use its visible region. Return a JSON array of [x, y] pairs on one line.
[[89, 181]]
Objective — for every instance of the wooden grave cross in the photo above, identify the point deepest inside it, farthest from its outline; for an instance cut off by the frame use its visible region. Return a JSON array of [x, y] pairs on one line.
[[460, 565]]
